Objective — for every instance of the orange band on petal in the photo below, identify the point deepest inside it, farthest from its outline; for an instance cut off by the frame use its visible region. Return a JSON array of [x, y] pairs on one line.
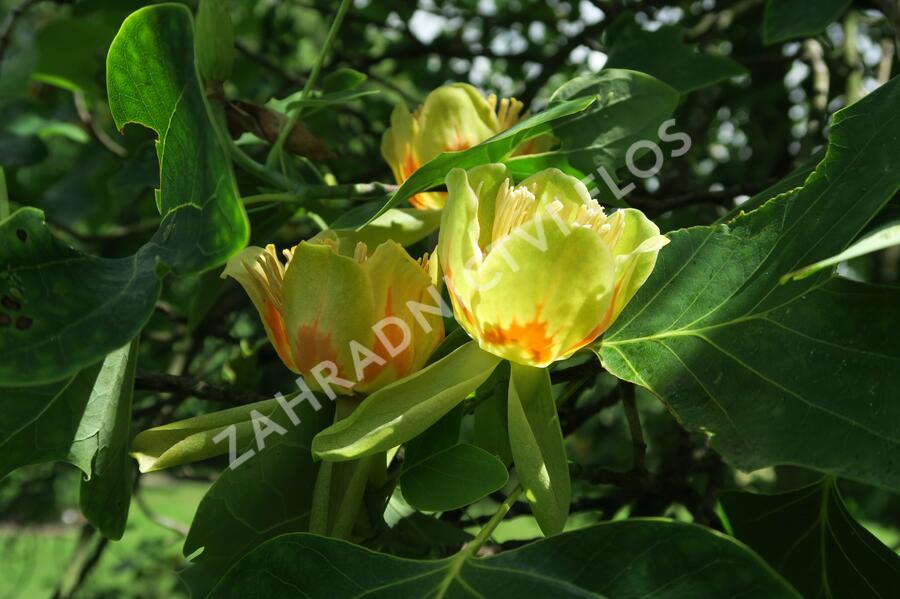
[[532, 337]]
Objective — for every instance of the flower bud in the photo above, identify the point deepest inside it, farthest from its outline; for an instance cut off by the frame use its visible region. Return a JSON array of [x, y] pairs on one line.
[[454, 117], [214, 40], [538, 270], [366, 320]]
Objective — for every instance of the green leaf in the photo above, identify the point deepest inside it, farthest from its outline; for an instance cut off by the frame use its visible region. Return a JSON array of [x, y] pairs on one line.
[[537, 446], [630, 107], [884, 237], [68, 308], [21, 150], [267, 496], [83, 420], [452, 478], [397, 413], [200, 437], [341, 79], [70, 54], [441, 435], [789, 19], [403, 225], [625, 560], [491, 423], [106, 495], [108, 301], [812, 540], [664, 54], [495, 149], [203, 219], [46, 423], [702, 331]]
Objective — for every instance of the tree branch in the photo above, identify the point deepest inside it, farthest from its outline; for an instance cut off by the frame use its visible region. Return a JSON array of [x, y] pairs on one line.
[[184, 386]]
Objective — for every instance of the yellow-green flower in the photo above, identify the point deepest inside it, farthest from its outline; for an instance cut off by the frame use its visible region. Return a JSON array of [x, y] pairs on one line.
[[321, 306], [538, 270], [454, 117]]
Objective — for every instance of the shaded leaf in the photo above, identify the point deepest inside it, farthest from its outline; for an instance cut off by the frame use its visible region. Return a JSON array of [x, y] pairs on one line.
[[452, 478], [20, 150], [45, 423], [664, 54], [72, 309], [106, 495], [788, 19], [812, 540], [70, 54], [626, 560], [267, 496]]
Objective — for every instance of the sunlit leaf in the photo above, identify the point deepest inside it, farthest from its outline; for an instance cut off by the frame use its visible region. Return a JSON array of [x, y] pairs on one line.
[[702, 333]]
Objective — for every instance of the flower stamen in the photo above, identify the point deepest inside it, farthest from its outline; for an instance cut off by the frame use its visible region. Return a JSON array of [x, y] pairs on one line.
[[514, 206]]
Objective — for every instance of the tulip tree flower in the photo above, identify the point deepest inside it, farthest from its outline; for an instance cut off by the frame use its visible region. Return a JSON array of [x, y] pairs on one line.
[[323, 307], [349, 324], [454, 117], [536, 271]]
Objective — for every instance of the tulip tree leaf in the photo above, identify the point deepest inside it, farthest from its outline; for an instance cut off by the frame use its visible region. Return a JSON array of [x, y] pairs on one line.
[[403, 225], [268, 495], [538, 450], [630, 107], [452, 478], [495, 149], [83, 420], [664, 54], [66, 307], [702, 331], [626, 560], [106, 495], [812, 540], [397, 413], [45, 423], [203, 219], [788, 19], [75, 309], [884, 237]]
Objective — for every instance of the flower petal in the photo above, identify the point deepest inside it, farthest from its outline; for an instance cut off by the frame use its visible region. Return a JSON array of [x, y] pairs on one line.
[[543, 290], [328, 302]]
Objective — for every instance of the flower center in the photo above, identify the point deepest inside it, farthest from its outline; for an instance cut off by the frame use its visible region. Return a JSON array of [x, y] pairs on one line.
[[269, 273], [512, 208], [515, 206]]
